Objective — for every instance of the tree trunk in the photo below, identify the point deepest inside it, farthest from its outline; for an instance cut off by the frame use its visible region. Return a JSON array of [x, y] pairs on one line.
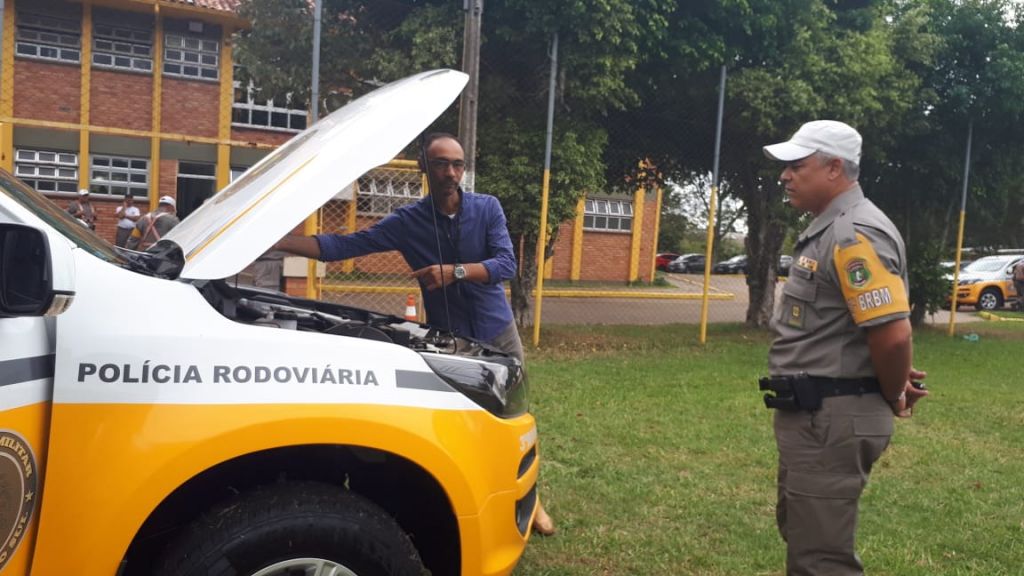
[[525, 279], [765, 234]]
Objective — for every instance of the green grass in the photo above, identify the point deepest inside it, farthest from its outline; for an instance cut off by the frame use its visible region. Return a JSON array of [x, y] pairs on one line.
[[659, 459]]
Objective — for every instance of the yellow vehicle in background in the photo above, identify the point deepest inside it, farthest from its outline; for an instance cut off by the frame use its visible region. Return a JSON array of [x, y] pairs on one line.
[[987, 283]]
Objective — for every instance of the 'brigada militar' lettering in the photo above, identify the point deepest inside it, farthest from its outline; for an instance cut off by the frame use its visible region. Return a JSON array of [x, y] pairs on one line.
[[146, 373], [874, 299]]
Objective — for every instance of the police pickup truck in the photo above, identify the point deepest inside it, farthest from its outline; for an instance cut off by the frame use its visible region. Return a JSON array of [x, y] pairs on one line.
[[228, 430]]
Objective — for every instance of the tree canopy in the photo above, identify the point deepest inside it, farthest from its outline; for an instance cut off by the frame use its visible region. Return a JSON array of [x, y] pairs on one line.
[[638, 80]]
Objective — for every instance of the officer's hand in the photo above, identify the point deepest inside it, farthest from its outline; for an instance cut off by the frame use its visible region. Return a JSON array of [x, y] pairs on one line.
[[911, 394], [435, 276]]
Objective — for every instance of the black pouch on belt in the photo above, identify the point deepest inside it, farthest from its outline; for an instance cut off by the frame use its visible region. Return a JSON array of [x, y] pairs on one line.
[[808, 395], [792, 393]]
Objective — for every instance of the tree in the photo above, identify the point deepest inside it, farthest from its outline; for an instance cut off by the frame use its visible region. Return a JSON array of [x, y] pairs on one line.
[[367, 42]]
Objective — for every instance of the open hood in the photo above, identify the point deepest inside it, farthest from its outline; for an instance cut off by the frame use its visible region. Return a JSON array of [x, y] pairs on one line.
[[244, 219]]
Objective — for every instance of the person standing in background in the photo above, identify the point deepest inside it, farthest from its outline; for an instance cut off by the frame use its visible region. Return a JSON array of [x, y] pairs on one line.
[[154, 225], [82, 209], [127, 215]]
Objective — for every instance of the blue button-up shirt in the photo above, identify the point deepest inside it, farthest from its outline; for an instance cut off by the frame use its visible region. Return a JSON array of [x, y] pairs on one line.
[[477, 233]]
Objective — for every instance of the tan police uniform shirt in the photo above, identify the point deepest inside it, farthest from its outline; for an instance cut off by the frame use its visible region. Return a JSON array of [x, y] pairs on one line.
[[849, 272]]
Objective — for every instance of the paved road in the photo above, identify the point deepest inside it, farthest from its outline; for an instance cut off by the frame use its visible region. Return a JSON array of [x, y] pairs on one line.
[[632, 311], [617, 311]]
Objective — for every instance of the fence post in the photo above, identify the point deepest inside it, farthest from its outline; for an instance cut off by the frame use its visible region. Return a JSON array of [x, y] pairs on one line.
[[637, 233], [577, 240]]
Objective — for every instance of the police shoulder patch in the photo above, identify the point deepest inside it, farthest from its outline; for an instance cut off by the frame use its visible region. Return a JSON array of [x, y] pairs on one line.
[[871, 291]]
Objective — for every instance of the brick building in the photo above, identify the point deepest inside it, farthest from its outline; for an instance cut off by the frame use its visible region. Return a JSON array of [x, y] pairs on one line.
[[129, 96], [138, 96]]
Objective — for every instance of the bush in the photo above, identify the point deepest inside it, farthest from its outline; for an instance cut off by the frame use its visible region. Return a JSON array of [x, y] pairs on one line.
[[928, 288]]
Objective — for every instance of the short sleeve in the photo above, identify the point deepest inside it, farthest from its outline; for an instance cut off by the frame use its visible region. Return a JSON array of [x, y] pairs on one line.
[[870, 276]]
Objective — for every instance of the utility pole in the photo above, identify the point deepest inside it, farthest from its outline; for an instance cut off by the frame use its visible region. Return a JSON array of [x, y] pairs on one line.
[[314, 100], [467, 108]]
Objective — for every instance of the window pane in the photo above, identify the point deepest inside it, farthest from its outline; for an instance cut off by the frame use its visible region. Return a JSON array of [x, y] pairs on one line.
[[261, 117], [279, 120]]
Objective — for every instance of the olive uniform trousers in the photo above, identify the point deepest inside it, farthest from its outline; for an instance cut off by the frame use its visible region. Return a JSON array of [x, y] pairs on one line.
[[825, 458]]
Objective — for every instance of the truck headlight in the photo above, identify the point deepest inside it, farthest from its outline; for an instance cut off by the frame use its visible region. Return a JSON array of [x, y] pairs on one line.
[[497, 384], [969, 282]]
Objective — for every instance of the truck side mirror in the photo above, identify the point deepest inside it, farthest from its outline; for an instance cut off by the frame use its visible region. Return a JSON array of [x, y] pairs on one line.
[[27, 267]]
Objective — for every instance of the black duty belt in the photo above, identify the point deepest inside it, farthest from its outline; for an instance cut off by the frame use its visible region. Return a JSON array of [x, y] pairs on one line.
[[805, 392]]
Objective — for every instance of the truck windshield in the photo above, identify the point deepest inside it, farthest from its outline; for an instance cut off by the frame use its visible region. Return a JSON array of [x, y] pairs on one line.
[[47, 211], [986, 265]]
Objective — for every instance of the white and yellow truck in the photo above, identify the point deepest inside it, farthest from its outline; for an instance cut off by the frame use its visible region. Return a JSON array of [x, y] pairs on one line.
[[156, 419]]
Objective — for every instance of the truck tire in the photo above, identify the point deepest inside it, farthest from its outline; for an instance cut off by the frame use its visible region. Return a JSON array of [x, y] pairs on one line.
[[990, 299], [293, 528]]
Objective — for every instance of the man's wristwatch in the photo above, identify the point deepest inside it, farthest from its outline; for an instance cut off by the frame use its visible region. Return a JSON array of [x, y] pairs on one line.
[[459, 272]]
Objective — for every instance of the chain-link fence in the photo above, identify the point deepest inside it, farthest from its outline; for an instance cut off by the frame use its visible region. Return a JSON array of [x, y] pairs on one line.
[[379, 282]]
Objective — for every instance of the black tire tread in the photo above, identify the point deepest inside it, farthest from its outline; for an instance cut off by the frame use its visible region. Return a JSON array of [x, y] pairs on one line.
[[282, 510]]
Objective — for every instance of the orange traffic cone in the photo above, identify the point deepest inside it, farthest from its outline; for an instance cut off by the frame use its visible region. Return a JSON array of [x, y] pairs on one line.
[[410, 308]]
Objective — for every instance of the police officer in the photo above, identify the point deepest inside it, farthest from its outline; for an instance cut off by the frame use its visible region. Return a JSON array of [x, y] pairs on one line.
[[841, 359]]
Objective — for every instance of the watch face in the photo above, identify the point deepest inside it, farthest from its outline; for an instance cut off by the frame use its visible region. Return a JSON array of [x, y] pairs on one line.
[[460, 272]]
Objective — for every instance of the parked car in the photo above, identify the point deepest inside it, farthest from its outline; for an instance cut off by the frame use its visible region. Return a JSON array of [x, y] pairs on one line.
[[687, 264], [785, 261], [986, 283], [734, 265], [663, 259]]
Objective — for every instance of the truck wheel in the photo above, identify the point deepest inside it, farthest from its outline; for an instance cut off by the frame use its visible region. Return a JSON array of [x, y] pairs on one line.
[[295, 528], [990, 299]]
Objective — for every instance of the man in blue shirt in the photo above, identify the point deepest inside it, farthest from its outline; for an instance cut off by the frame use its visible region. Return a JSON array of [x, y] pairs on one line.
[[471, 234], [475, 255]]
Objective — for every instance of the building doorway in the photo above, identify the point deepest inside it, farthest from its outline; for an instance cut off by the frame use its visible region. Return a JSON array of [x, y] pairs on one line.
[[197, 181]]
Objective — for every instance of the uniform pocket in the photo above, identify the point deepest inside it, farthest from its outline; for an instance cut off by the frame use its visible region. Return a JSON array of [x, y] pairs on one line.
[[873, 425], [803, 290], [824, 485]]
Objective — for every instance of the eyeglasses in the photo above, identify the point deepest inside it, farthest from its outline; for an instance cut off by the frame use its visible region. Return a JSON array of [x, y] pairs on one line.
[[442, 164]]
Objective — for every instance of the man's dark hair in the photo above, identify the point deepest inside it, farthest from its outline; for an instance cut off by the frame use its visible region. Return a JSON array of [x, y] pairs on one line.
[[429, 138], [425, 142]]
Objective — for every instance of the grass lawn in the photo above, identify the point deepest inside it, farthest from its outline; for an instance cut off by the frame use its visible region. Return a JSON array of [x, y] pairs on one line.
[[659, 458]]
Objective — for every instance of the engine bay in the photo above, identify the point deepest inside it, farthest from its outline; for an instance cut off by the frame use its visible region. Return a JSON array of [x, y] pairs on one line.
[[260, 307]]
